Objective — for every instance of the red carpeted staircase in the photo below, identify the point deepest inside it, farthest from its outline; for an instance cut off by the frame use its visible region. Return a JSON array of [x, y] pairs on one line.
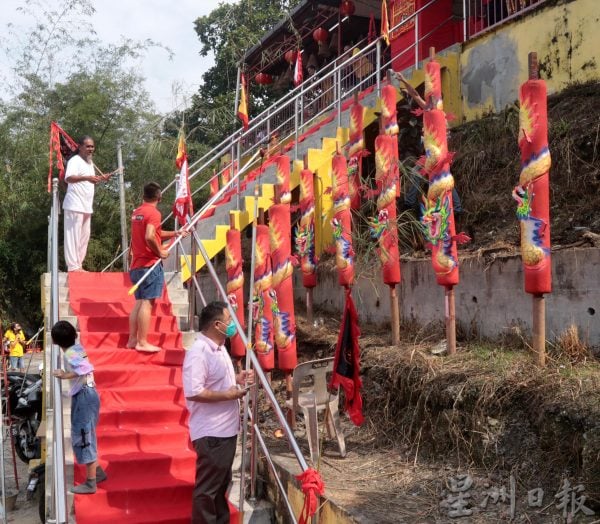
[[143, 440]]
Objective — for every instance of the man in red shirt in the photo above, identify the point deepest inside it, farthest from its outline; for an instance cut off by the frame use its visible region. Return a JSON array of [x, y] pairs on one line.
[[146, 248]]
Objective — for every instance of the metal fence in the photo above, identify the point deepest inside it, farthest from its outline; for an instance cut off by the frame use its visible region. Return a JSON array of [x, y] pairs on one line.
[[482, 15]]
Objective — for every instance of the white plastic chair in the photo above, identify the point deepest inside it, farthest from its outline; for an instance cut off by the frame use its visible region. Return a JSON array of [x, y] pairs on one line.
[[313, 398]]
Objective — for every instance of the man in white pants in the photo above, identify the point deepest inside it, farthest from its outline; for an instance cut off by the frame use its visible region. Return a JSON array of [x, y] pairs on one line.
[[78, 203]]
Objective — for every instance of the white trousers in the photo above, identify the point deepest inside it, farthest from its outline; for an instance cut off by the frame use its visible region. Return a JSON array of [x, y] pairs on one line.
[[77, 236]]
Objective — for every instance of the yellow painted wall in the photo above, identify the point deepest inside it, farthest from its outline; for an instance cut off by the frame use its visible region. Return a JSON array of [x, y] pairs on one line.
[[566, 38]]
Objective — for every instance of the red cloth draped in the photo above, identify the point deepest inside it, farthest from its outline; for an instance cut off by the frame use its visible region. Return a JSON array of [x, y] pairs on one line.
[[284, 321], [305, 234], [346, 363], [533, 193], [62, 147], [282, 174], [262, 312], [342, 222], [384, 226], [312, 487], [235, 285]]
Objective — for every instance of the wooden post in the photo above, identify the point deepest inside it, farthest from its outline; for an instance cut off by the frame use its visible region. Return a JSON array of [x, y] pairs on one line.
[[539, 329], [450, 320], [432, 53], [395, 314], [290, 416]]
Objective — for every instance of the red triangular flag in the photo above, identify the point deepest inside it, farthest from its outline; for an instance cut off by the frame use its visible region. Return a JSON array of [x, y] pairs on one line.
[[62, 147]]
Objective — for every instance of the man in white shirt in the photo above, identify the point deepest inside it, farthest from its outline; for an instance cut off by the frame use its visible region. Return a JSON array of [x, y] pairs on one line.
[[78, 203], [212, 391]]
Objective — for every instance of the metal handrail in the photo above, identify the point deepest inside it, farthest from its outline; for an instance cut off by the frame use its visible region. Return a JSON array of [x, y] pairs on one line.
[[292, 100], [59, 486]]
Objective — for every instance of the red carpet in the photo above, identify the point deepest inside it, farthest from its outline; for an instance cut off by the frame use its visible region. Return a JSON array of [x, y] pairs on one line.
[[143, 440]]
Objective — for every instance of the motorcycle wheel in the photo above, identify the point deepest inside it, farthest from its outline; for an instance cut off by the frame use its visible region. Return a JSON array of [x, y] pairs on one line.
[[27, 445]]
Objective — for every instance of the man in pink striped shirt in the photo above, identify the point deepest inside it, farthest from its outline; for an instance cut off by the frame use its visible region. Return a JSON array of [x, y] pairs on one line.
[[212, 392]]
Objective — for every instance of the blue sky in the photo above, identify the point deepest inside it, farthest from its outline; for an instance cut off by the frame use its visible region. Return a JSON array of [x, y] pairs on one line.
[[169, 22]]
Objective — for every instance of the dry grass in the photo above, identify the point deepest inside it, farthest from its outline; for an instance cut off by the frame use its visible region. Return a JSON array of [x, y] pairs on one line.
[[569, 345]]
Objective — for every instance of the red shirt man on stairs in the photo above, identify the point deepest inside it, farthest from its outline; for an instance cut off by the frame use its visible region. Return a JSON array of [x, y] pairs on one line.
[[146, 248]]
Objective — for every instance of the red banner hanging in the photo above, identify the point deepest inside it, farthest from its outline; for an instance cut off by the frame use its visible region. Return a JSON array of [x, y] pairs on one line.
[[305, 233], [342, 222], [384, 227], [284, 321], [437, 210], [262, 312], [533, 192], [235, 285], [346, 363]]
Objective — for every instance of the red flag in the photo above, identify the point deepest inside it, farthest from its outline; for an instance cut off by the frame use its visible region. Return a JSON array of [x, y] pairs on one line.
[[183, 199], [298, 73], [243, 107], [385, 23], [346, 363], [372, 31], [62, 147]]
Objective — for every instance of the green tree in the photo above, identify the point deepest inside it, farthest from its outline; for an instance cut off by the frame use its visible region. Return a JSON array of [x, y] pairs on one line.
[[98, 93], [228, 32]]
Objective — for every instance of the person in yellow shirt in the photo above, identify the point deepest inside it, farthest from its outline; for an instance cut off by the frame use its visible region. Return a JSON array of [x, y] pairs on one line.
[[15, 338]]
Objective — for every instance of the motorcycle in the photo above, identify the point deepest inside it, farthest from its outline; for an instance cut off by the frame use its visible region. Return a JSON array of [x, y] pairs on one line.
[[25, 401]]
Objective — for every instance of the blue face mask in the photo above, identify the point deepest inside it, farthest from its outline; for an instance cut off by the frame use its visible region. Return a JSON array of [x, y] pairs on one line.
[[230, 330]]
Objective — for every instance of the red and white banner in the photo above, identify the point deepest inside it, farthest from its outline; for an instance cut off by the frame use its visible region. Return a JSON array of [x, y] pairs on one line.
[[298, 73], [183, 199]]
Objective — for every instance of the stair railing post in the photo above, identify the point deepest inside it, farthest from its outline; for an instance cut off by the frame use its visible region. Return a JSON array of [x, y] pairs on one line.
[[378, 66], [464, 7], [296, 126], [58, 458], [124, 241], [338, 83], [238, 158], [417, 41]]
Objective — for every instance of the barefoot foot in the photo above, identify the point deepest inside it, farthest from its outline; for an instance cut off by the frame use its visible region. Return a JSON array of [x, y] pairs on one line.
[[147, 348], [131, 343]]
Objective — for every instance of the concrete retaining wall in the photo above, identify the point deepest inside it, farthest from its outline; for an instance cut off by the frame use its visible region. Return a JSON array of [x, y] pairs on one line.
[[489, 299]]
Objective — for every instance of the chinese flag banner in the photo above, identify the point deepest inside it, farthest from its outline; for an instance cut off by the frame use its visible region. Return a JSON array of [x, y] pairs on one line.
[[62, 147], [243, 107], [346, 363], [183, 199], [298, 73]]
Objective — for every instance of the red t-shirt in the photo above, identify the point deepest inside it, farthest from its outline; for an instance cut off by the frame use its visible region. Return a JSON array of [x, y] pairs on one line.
[[142, 255]]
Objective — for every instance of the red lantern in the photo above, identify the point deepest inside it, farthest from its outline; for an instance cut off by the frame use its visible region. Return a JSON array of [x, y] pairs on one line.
[[263, 79], [320, 35], [290, 56], [347, 8]]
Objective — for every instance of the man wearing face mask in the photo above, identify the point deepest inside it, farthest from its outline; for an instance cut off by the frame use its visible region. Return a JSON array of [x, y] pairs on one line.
[[212, 392]]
